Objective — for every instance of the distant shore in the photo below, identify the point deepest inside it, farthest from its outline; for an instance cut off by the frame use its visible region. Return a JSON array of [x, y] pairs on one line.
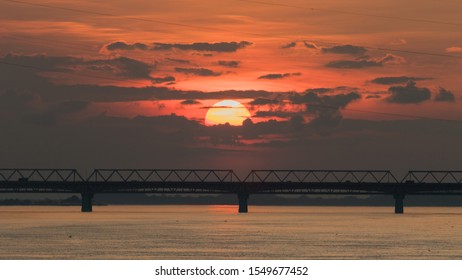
[[263, 200]]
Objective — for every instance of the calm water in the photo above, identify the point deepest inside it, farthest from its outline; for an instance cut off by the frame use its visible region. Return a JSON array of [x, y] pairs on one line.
[[218, 232]]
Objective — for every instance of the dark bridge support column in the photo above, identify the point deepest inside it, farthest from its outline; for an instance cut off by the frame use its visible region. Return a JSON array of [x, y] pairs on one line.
[[87, 202], [243, 205], [399, 203]]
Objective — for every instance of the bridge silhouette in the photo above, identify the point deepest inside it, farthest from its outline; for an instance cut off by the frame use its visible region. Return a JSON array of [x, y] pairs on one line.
[[219, 181]]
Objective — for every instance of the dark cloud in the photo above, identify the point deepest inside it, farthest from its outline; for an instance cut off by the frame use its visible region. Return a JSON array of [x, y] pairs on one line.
[[339, 89], [364, 62], [159, 80], [310, 45], [289, 45], [190, 102], [353, 64], [409, 94], [95, 93], [41, 87], [278, 76], [124, 66], [120, 66], [181, 61], [275, 113], [29, 107], [197, 71], [229, 63], [319, 90], [199, 46], [369, 139], [397, 80], [126, 47], [176, 142], [17, 99], [203, 46], [57, 113], [43, 61], [265, 101], [171, 121], [325, 108], [445, 96], [260, 130], [345, 49], [334, 101]]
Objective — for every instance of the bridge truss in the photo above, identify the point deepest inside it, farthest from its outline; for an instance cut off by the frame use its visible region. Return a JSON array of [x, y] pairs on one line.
[[210, 181]]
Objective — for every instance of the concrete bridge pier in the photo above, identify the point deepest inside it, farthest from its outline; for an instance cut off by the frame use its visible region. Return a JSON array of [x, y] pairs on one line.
[[87, 202], [243, 202], [399, 203]]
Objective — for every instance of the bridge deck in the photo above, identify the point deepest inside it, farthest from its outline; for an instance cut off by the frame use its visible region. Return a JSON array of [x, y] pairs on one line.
[[326, 182]]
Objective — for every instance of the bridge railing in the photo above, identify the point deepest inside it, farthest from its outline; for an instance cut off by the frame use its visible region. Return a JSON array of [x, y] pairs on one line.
[[163, 175], [321, 176], [40, 175], [439, 177], [225, 175]]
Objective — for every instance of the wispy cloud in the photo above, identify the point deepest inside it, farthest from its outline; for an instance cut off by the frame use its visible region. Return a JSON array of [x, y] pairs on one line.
[[198, 71], [279, 76]]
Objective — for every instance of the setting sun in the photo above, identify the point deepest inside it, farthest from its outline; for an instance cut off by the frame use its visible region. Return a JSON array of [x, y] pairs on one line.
[[227, 111]]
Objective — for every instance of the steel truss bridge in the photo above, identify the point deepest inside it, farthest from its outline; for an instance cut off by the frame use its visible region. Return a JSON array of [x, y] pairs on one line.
[[218, 181]]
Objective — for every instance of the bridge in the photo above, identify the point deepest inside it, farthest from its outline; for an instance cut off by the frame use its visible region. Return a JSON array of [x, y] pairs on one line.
[[219, 181]]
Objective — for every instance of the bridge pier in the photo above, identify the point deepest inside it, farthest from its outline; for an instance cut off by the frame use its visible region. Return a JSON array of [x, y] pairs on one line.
[[399, 203], [87, 202], [243, 204]]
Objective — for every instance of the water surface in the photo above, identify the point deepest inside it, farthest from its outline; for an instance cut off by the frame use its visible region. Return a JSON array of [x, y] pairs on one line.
[[218, 232]]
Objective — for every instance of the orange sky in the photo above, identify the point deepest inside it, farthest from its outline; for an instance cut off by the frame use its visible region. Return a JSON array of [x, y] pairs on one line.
[[329, 84], [27, 30]]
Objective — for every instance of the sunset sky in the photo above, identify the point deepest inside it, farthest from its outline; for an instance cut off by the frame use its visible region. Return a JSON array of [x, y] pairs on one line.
[[328, 84]]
